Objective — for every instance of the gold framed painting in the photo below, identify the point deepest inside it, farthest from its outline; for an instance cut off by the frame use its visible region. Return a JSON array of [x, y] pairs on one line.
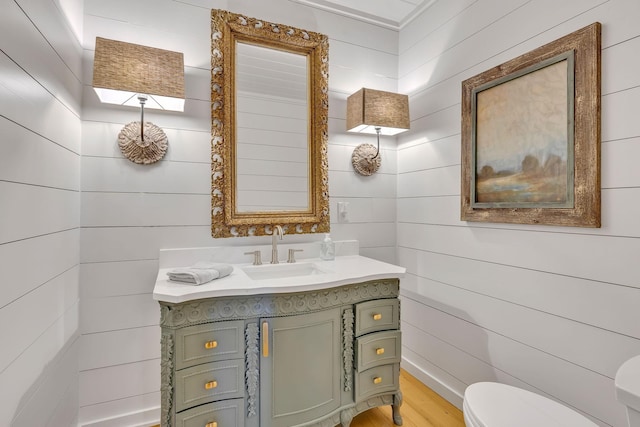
[[531, 136]]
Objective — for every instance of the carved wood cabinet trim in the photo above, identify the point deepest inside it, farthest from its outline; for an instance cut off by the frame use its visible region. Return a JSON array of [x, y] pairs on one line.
[[236, 307], [176, 316], [347, 347], [252, 373]]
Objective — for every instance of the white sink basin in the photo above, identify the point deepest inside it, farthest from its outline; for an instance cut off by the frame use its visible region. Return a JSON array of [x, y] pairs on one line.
[[279, 271]]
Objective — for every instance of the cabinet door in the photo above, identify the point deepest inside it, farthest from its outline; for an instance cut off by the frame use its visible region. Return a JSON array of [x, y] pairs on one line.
[[300, 368]]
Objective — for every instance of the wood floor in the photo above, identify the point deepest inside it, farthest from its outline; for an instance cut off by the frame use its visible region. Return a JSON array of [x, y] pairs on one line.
[[421, 407]]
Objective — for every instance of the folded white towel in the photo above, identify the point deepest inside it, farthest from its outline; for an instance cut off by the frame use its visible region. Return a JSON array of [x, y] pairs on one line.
[[201, 272]]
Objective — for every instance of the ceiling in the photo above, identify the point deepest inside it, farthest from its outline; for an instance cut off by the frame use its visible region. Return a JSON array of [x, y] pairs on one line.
[[392, 14]]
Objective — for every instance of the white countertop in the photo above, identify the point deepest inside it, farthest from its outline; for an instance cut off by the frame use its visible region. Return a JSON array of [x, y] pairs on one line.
[[341, 271]]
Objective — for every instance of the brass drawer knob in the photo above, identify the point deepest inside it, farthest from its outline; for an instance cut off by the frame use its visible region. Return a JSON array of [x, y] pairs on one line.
[[379, 351], [210, 385], [210, 344], [377, 316], [377, 380], [213, 424]]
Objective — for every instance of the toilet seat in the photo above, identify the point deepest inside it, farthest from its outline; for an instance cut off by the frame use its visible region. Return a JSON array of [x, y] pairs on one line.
[[628, 389], [488, 404]]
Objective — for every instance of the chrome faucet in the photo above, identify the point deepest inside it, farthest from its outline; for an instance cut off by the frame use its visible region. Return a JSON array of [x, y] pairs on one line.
[[277, 231]]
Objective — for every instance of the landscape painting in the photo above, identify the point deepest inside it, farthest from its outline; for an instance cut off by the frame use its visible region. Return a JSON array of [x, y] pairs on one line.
[[530, 136], [524, 140]]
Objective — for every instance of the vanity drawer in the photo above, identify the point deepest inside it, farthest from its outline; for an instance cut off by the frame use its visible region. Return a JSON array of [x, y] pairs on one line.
[[380, 348], [208, 383], [207, 343], [229, 413], [381, 379], [378, 315]]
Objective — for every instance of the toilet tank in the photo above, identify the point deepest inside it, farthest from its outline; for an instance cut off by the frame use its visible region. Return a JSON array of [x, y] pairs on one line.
[[628, 389]]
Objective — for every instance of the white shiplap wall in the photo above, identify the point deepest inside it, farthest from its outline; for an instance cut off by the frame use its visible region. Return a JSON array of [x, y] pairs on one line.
[[129, 212], [549, 309], [40, 97]]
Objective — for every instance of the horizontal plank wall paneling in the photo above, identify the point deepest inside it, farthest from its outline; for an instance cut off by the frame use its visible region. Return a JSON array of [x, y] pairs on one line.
[[121, 381], [54, 64], [23, 217], [136, 277], [129, 410], [531, 288], [184, 145], [27, 103], [129, 212], [549, 309], [103, 349], [40, 92], [554, 252], [134, 311], [53, 254], [37, 367], [144, 209], [36, 160], [489, 312], [48, 300], [55, 393]]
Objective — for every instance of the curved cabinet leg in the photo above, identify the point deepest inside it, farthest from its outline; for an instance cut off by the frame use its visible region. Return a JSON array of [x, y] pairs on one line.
[[346, 416], [397, 402]]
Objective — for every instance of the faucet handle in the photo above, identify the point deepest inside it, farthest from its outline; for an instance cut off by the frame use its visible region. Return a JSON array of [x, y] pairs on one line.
[[257, 257], [292, 255], [277, 230]]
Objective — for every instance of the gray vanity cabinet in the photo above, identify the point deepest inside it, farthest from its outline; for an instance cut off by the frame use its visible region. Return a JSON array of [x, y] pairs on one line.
[[300, 368], [313, 358]]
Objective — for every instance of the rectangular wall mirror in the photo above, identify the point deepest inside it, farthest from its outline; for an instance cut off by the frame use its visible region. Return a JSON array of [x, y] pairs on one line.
[[269, 94], [272, 130]]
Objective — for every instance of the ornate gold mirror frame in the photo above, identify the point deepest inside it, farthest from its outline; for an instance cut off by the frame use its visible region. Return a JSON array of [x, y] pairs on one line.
[[227, 29]]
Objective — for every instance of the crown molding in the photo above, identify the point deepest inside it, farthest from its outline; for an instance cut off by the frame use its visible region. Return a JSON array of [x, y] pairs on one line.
[[364, 16]]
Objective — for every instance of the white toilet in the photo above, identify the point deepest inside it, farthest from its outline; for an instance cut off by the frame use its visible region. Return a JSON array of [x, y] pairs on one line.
[[628, 389], [489, 404]]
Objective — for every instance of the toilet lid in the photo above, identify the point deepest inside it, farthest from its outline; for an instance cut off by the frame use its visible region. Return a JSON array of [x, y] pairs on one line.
[[628, 383], [489, 404]]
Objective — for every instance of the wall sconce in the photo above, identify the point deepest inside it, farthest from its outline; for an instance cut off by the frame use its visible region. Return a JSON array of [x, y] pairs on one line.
[[375, 112], [130, 74]]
